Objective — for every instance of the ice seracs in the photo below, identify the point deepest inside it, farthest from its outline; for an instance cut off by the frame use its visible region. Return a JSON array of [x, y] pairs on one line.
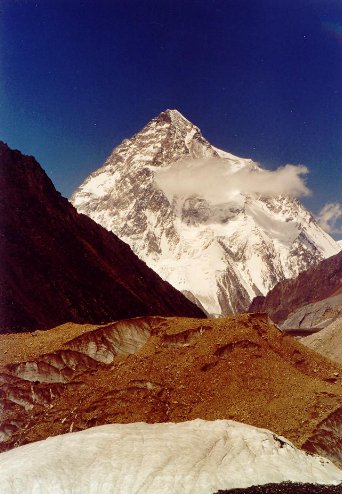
[[196, 456], [220, 255]]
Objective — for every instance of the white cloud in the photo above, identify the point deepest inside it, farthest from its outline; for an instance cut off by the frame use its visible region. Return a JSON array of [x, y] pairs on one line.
[[329, 217], [217, 182]]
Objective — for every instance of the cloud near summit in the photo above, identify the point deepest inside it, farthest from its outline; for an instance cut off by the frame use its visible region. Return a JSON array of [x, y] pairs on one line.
[[217, 181]]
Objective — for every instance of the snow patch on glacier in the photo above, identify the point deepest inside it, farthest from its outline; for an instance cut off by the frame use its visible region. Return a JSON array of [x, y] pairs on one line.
[[195, 456]]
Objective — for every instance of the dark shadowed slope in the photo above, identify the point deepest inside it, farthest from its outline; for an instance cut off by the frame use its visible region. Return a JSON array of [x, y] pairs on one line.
[[314, 285], [58, 265]]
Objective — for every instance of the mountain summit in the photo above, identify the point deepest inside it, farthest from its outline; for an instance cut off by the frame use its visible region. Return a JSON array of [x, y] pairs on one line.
[[159, 191]]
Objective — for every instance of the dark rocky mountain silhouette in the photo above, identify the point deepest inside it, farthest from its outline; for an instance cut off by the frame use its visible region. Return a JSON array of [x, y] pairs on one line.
[[58, 265], [319, 283]]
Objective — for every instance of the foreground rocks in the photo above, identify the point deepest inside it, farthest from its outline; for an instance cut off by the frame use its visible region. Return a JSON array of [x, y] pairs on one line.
[[169, 369], [286, 488]]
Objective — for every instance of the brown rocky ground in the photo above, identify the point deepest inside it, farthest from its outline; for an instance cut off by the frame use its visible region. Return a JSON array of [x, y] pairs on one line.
[[287, 488], [158, 369]]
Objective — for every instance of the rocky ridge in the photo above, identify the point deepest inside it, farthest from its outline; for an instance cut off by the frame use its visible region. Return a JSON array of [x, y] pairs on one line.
[[313, 299]]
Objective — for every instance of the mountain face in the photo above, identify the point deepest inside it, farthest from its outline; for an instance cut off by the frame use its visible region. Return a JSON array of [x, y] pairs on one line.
[[196, 456], [312, 299], [58, 265], [219, 255]]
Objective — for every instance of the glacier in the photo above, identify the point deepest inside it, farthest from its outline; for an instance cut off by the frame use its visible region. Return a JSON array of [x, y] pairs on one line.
[[179, 458]]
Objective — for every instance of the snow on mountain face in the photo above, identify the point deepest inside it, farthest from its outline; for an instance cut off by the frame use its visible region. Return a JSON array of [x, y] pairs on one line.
[[195, 456], [220, 254]]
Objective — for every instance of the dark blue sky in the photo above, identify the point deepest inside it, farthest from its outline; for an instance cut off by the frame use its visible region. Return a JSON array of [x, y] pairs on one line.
[[261, 78]]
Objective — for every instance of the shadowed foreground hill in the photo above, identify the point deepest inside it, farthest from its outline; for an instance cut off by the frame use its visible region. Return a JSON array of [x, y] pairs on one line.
[[58, 265], [169, 369]]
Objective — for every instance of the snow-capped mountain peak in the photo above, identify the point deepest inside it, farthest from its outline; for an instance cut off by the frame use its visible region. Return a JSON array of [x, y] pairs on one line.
[[216, 241], [176, 118]]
